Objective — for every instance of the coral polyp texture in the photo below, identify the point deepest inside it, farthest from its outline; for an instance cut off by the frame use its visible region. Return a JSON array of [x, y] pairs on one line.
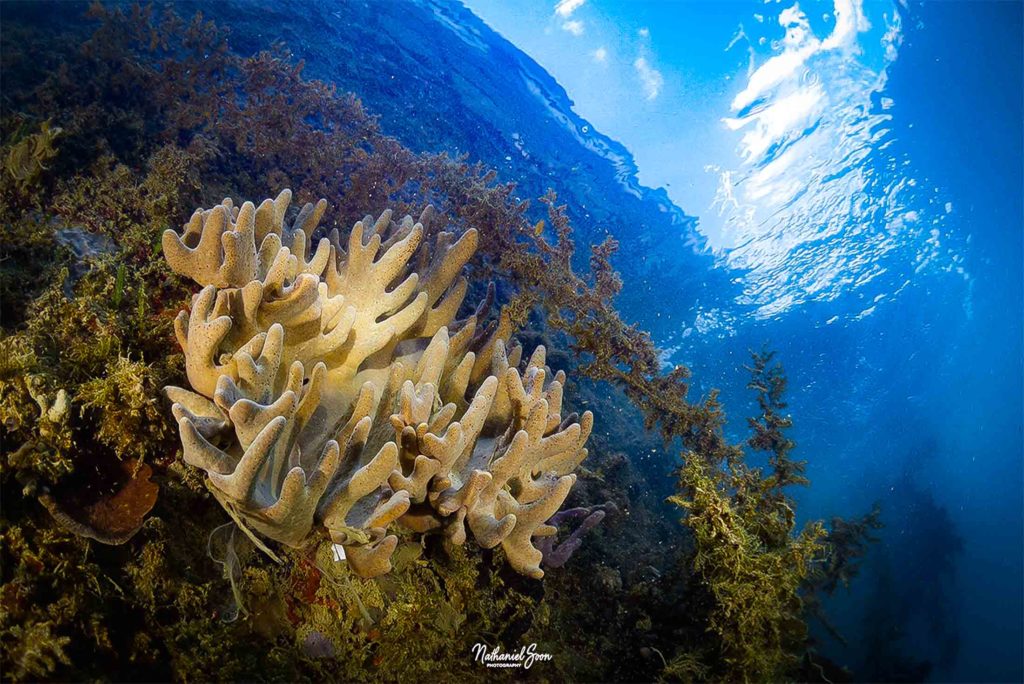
[[333, 388]]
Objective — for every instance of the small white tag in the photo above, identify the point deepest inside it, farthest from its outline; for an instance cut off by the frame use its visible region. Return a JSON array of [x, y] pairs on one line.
[[339, 552]]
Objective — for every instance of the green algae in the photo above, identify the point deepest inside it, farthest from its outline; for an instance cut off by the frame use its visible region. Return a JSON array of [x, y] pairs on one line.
[[27, 154]]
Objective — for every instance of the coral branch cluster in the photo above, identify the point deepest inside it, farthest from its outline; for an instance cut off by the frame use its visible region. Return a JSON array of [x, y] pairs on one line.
[[333, 388]]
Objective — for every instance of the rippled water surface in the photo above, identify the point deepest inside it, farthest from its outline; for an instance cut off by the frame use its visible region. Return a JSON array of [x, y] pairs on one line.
[[823, 203]]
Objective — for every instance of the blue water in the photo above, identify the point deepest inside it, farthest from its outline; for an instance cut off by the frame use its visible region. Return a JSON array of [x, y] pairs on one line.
[[877, 245], [856, 170]]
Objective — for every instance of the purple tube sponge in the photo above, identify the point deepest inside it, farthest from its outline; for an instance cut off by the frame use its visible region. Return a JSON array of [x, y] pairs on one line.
[[591, 517]]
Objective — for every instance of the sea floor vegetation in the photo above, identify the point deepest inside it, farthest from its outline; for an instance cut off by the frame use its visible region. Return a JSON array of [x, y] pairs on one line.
[[118, 561]]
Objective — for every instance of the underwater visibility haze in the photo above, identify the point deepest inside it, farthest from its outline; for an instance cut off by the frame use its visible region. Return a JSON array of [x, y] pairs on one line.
[[575, 340]]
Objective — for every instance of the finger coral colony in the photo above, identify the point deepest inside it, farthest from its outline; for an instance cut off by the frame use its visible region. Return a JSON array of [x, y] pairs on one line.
[[338, 390]]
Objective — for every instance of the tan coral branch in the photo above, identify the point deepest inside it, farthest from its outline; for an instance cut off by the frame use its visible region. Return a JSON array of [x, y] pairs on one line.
[[329, 393]]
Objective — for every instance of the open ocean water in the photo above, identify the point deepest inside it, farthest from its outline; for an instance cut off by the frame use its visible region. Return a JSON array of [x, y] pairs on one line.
[[876, 233]]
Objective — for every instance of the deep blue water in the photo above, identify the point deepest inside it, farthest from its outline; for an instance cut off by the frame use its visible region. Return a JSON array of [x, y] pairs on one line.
[[897, 311]]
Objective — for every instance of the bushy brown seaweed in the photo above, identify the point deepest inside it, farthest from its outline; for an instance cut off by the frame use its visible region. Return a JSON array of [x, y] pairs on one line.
[[750, 559]]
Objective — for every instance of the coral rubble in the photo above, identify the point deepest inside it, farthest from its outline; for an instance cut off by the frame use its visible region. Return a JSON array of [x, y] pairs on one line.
[[335, 388]]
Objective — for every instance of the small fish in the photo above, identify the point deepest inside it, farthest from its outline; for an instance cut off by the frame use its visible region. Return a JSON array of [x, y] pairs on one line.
[[538, 228]]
